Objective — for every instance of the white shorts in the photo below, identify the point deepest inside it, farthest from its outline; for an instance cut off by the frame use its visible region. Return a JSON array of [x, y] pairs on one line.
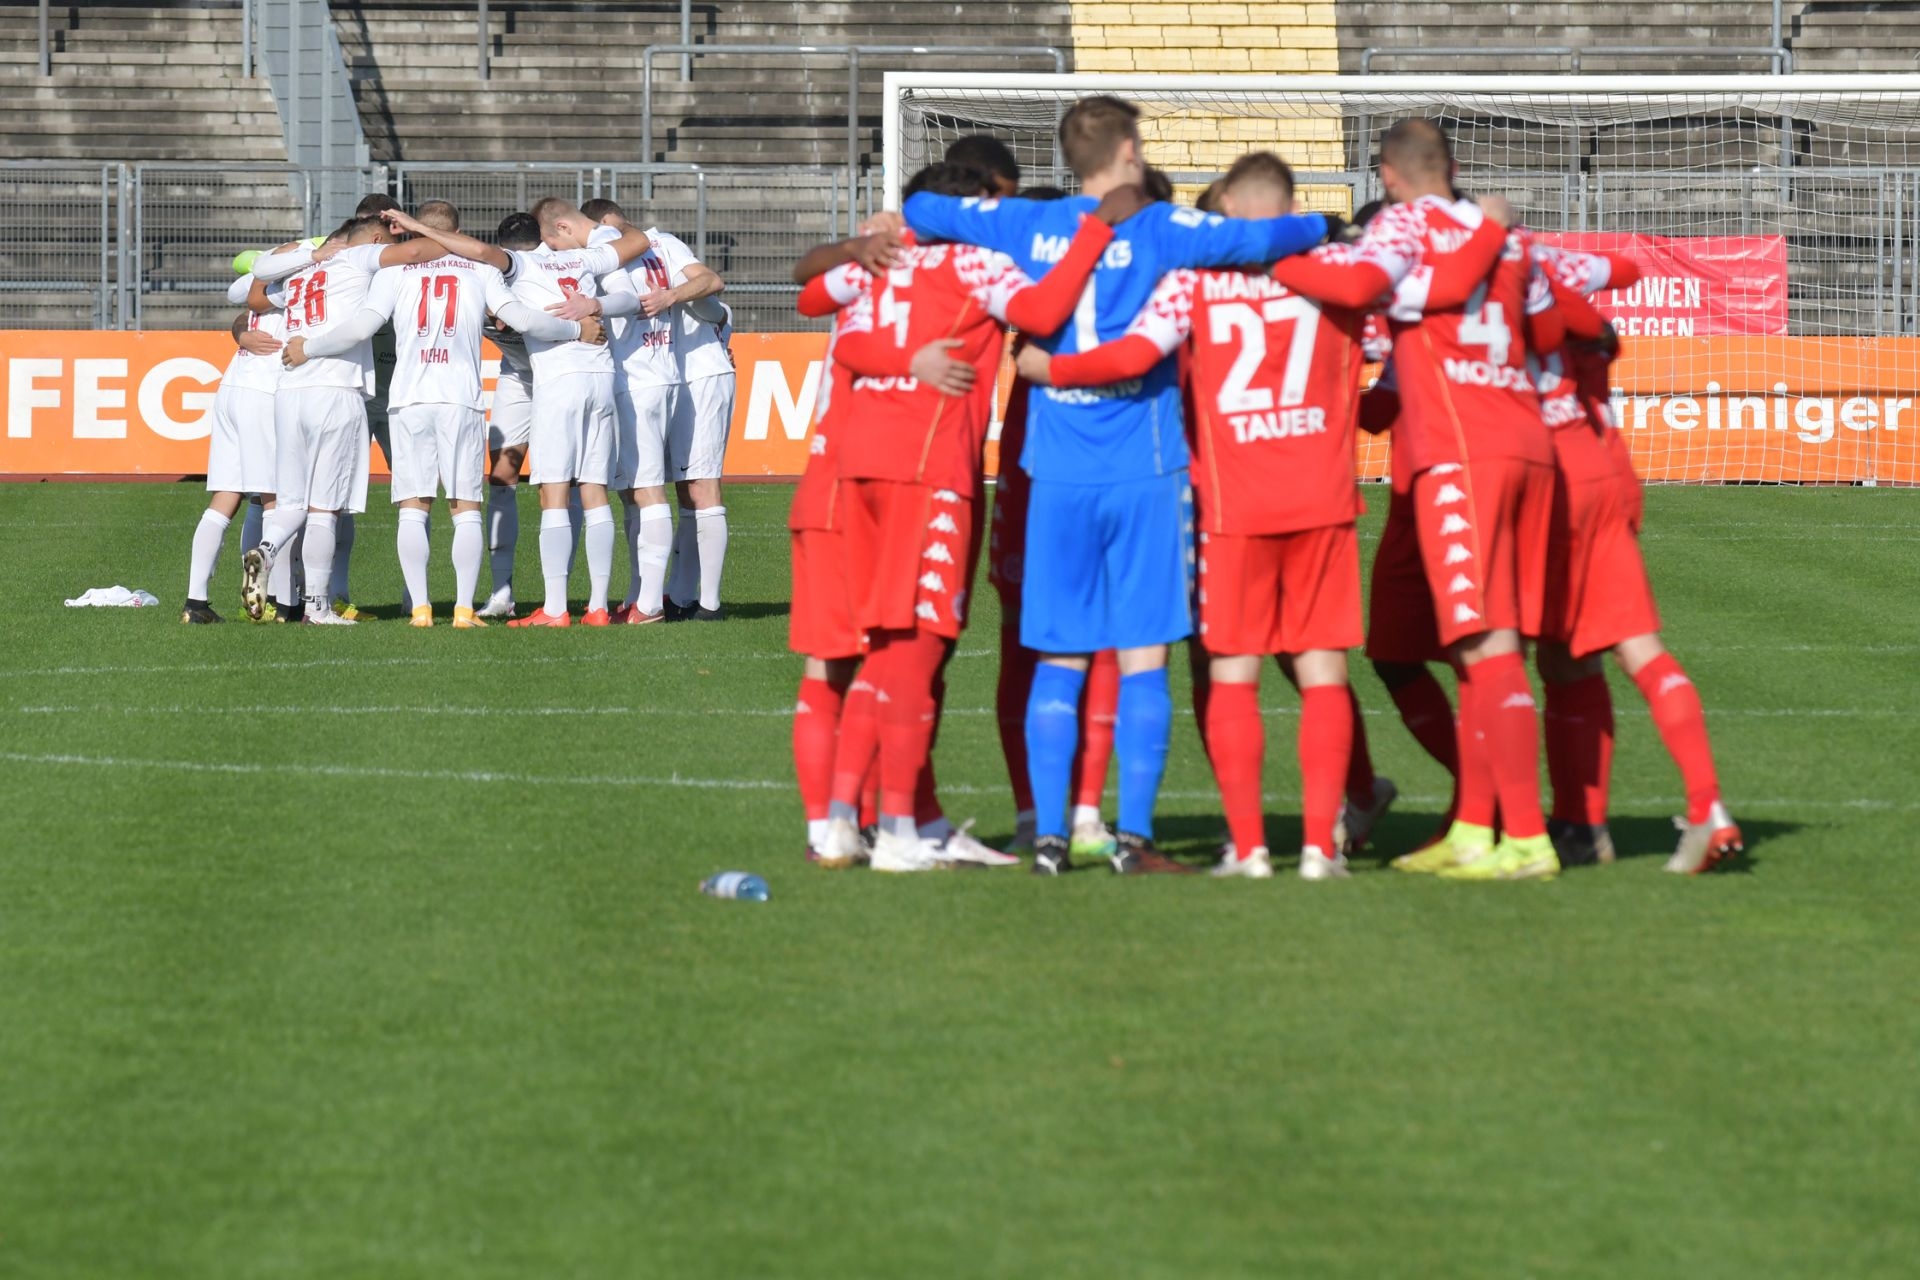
[[702, 417], [240, 456], [320, 435], [438, 446], [511, 423], [643, 416], [572, 429]]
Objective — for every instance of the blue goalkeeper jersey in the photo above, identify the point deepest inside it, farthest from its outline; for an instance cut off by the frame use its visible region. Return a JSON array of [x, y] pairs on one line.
[[1100, 435]]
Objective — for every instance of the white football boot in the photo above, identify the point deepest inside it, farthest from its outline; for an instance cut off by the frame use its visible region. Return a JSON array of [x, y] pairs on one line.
[[498, 605], [962, 849], [842, 848], [255, 565], [1316, 865], [327, 618], [896, 853], [1705, 845], [1257, 865]]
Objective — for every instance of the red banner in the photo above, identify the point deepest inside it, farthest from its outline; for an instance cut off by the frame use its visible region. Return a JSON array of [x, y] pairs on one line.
[[1693, 286]]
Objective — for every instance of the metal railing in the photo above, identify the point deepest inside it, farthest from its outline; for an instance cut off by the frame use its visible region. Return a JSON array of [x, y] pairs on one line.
[[851, 52], [1778, 54]]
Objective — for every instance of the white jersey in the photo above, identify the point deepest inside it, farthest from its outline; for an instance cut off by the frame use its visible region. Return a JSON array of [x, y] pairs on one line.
[[642, 344], [537, 277], [315, 298], [698, 347], [438, 309], [246, 370]]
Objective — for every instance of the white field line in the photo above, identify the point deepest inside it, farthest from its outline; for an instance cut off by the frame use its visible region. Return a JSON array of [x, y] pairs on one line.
[[309, 709], [441, 659], [677, 780]]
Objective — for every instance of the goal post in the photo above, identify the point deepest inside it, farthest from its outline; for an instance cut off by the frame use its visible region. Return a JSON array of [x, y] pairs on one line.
[[1775, 333]]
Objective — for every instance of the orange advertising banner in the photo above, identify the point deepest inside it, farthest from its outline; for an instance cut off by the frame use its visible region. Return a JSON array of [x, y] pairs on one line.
[[1693, 409]]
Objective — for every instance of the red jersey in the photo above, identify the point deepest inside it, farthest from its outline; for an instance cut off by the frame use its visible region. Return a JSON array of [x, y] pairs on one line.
[[1274, 380], [898, 429], [1464, 389], [837, 290]]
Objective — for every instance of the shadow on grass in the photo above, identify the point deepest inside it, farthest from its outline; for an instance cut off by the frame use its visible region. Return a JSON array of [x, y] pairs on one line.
[[443, 612]]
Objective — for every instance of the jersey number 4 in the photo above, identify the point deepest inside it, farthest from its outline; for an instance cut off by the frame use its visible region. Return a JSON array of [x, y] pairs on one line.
[[444, 287], [1485, 324], [1224, 322]]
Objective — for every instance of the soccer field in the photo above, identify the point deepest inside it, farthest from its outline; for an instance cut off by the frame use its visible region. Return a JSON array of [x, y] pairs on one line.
[[374, 952]]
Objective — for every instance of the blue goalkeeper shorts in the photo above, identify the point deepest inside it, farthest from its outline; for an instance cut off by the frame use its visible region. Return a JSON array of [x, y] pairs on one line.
[[1108, 566]]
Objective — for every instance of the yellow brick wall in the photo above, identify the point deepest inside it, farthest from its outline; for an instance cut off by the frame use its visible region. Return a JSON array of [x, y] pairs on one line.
[[1205, 39]]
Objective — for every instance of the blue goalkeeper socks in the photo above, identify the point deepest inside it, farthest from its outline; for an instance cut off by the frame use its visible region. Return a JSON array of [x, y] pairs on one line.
[[1053, 734], [1140, 738]]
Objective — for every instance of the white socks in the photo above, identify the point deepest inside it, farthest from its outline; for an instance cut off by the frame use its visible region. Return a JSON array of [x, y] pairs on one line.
[[411, 541], [342, 560], [468, 541], [503, 531], [318, 559], [556, 555], [207, 537], [710, 537], [1086, 815], [653, 545], [683, 584], [598, 531]]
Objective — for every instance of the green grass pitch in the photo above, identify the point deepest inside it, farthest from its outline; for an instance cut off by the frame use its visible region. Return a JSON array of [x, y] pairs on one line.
[[377, 953]]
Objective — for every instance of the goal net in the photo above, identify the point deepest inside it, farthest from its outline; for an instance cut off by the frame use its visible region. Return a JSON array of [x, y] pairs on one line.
[[1775, 332]]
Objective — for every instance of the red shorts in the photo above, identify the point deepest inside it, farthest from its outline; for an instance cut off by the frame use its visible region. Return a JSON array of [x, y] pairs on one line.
[[821, 624], [1483, 539], [1280, 593], [1007, 546], [910, 551], [1597, 589], [1400, 623]]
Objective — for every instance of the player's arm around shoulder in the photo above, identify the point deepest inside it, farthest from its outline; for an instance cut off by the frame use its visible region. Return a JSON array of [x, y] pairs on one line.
[[1186, 237], [993, 222]]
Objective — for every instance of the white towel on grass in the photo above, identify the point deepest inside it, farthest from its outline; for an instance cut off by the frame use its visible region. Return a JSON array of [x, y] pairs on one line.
[[113, 598]]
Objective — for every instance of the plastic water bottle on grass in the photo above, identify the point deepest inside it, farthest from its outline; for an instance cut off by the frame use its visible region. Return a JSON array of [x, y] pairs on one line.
[[735, 884]]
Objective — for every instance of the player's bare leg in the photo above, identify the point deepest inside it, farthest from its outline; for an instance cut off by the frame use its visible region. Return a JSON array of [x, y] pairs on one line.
[[1708, 834], [649, 530], [1578, 727], [1507, 733], [503, 528]]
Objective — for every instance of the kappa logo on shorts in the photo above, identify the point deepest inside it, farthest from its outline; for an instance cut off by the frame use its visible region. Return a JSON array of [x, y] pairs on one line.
[[1457, 553], [947, 496], [1465, 613], [1444, 469], [932, 581], [924, 611], [1454, 523], [1449, 493], [801, 708], [1461, 582], [943, 523], [938, 553], [1517, 700]]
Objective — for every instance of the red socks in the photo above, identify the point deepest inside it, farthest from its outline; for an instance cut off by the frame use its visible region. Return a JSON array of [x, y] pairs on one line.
[[816, 732], [1010, 705], [1237, 742], [1508, 724], [1360, 767], [1682, 723], [1474, 799], [1099, 709], [853, 755], [904, 667], [1327, 715], [1579, 730], [1428, 715]]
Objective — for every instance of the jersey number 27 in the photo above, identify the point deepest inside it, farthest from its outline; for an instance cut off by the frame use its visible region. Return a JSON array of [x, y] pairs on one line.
[[1228, 320]]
